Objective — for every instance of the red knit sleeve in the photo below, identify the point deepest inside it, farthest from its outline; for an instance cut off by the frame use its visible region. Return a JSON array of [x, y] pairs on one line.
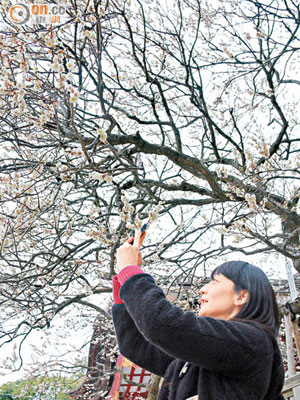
[[128, 272], [116, 289]]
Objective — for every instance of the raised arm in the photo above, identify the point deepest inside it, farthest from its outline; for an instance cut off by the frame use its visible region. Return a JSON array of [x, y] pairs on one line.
[[132, 343]]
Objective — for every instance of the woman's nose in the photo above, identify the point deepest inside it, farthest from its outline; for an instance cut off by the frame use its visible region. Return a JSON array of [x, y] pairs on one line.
[[203, 289]]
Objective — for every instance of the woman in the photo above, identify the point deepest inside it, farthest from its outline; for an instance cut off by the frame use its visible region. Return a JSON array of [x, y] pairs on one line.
[[229, 351]]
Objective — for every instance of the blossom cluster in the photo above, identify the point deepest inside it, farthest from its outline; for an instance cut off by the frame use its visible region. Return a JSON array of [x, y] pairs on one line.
[[251, 200], [98, 176], [126, 213], [102, 134]]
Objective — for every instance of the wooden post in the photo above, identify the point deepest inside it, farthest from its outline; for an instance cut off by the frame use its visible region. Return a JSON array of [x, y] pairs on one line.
[[296, 335], [289, 345], [290, 351], [290, 384], [297, 341], [296, 391]]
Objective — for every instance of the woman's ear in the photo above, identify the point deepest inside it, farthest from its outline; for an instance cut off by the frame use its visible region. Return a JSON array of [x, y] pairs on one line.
[[242, 297]]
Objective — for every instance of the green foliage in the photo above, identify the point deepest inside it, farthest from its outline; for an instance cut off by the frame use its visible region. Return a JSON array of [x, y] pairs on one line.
[[38, 388]]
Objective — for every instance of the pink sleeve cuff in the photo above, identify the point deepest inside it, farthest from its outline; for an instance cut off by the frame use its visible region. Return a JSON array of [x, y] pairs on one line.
[[128, 272], [116, 289]]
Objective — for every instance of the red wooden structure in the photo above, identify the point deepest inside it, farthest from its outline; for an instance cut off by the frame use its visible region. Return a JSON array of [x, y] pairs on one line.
[[123, 386]]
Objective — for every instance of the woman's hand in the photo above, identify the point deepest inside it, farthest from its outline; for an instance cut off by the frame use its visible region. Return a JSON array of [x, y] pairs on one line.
[[129, 254]]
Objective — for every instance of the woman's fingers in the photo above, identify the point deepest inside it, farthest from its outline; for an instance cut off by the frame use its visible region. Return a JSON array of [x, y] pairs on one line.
[[142, 237], [136, 241], [128, 253], [139, 238], [140, 258]]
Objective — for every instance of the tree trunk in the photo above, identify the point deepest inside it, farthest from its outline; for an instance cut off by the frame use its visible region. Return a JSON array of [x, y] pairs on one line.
[[153, 387], [291, 226]]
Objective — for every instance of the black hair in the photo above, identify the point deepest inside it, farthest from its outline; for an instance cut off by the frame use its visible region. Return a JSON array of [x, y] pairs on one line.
[[261, 306]]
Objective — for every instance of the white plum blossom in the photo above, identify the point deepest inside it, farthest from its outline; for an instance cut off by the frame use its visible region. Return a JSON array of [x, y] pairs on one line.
[[70, 76], [102, 134], [108, 178], [20, 85], [124, 216], [97, 176], [130, 226], [70, 65], [74, 97], [55, 67], [264, 149], [251, 200], [43, 118]]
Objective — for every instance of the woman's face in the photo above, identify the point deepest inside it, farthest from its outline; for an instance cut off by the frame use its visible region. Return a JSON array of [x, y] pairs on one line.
[[220, 300]]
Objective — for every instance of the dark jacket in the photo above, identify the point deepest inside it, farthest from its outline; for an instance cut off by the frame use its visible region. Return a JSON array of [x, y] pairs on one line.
[[228, 360]]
